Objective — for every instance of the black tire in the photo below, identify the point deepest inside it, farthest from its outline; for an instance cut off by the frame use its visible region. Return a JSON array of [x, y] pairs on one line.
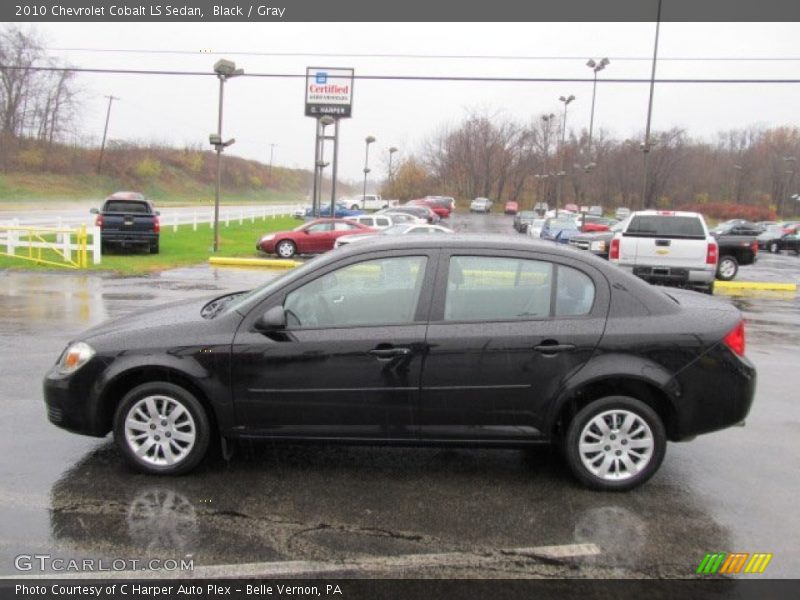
[[773, 247], [286, 249], [154, 248], [354, 207], [618, 481], [727, 268], [164, 394]]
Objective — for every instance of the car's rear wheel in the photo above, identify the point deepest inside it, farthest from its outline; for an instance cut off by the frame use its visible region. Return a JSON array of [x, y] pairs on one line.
[[161, 428], [615, 443], [727, 268], [154, 248], [286, 249], [354, 207]]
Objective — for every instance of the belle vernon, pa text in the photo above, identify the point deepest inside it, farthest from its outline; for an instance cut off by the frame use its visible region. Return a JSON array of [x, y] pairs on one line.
[[154, 10]]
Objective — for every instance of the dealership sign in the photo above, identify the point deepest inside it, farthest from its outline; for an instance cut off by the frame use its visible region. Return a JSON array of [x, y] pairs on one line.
[[329, 92]]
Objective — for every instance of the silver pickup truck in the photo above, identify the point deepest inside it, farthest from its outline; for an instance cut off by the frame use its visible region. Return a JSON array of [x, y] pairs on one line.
[[667, 248]]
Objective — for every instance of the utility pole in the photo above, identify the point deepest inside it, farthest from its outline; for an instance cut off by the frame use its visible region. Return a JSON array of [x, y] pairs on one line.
[[105, 131], [646, 144], [271, 151]]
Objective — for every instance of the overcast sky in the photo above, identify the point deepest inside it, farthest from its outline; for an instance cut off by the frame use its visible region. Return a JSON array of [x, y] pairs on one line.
[[261, 111]]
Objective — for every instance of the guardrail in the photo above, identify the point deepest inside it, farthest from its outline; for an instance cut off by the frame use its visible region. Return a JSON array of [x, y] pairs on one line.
[[51, 245]]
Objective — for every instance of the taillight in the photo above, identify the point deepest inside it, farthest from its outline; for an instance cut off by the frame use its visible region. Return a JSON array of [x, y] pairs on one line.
[[98, 222], [711, 254], [157, 225], [613, 251], [735, 339], [754, 246]]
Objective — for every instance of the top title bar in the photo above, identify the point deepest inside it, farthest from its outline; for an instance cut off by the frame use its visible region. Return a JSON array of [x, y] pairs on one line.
[[408, 10]]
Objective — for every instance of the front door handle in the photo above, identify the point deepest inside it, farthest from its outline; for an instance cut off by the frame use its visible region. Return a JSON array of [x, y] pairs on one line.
[[553, 347], [389, 353]]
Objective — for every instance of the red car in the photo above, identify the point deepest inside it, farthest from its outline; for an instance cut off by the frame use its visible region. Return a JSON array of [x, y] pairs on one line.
[[441, 205], [511, 208], [310, 238]]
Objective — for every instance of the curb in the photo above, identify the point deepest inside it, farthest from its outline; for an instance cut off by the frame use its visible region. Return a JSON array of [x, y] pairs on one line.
[[269, 263], [770, 286]]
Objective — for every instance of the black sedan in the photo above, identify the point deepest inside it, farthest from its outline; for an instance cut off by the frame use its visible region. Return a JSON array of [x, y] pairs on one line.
[[464, 340]]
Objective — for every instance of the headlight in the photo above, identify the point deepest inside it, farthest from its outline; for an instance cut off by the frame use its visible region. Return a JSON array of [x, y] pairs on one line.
[[267, 238], [598, 246], [75, 356]]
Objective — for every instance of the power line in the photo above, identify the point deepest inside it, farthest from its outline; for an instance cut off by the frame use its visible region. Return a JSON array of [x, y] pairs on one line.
[[422, 56], [412, 77]]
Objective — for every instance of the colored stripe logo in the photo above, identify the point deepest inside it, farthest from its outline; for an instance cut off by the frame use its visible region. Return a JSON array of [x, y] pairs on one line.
[[734, 563]]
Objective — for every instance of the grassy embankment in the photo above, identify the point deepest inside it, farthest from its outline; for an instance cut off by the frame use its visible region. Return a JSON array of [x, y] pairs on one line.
[[180, 248]]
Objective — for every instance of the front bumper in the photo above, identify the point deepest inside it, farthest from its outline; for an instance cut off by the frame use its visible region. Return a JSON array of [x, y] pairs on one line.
[[72, 403]]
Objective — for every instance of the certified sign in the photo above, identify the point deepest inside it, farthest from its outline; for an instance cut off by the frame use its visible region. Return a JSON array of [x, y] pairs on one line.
[[329, 92]]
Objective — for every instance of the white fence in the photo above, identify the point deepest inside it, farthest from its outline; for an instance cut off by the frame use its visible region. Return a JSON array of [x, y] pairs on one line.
[[51, 245], [227, 216]]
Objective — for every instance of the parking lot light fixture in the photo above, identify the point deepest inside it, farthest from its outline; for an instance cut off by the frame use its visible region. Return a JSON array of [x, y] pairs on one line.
[[596, 67], [566, 100], [224, 69], [368, 140]]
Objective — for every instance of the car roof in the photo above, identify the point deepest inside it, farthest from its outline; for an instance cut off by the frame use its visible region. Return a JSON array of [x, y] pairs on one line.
[[126, 196]]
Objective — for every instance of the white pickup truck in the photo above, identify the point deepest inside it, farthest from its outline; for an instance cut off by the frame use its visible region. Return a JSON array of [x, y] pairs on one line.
[[369, 202], [668, 248]]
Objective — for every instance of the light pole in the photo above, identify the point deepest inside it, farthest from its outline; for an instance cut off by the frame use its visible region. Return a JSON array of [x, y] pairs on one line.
[[790, 162], [105, 131], [225, 69], [368, 140], [561, 173], [271, 153], [547, 120], [596, 67], [392, 150], [737, 183]]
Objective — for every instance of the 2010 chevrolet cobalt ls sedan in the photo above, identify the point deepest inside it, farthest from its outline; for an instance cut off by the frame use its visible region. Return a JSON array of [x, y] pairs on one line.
[[451, 340]]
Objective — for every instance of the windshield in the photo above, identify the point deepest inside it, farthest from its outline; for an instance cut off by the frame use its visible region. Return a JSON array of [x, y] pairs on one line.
[[242, 302]]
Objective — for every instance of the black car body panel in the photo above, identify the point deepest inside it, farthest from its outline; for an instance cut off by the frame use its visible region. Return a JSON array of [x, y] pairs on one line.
[[468, 381]]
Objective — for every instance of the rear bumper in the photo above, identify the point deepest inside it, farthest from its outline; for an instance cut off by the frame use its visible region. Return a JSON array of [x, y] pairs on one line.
[[128, 238], [672, 275], [716, 392]]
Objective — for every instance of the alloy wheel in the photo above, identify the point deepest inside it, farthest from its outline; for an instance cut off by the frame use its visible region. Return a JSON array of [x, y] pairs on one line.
[[616, 445], [160, 430]]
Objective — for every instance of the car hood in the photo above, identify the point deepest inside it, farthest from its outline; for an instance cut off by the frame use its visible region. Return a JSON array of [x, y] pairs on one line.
[[154, 319]]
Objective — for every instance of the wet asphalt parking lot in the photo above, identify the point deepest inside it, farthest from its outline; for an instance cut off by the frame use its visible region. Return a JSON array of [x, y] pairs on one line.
[[369, 511]]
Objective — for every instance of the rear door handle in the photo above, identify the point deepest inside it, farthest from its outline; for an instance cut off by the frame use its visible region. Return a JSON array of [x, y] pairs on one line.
[[554, 348], [388, 353]]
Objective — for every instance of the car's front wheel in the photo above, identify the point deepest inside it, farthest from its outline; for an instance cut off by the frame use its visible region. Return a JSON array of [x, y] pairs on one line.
[[773, 247], [615, 443], [286, 249], [161, 428]]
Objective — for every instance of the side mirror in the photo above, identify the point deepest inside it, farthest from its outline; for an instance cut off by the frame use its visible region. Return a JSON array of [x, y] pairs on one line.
[[272, 320], [94, 211]]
